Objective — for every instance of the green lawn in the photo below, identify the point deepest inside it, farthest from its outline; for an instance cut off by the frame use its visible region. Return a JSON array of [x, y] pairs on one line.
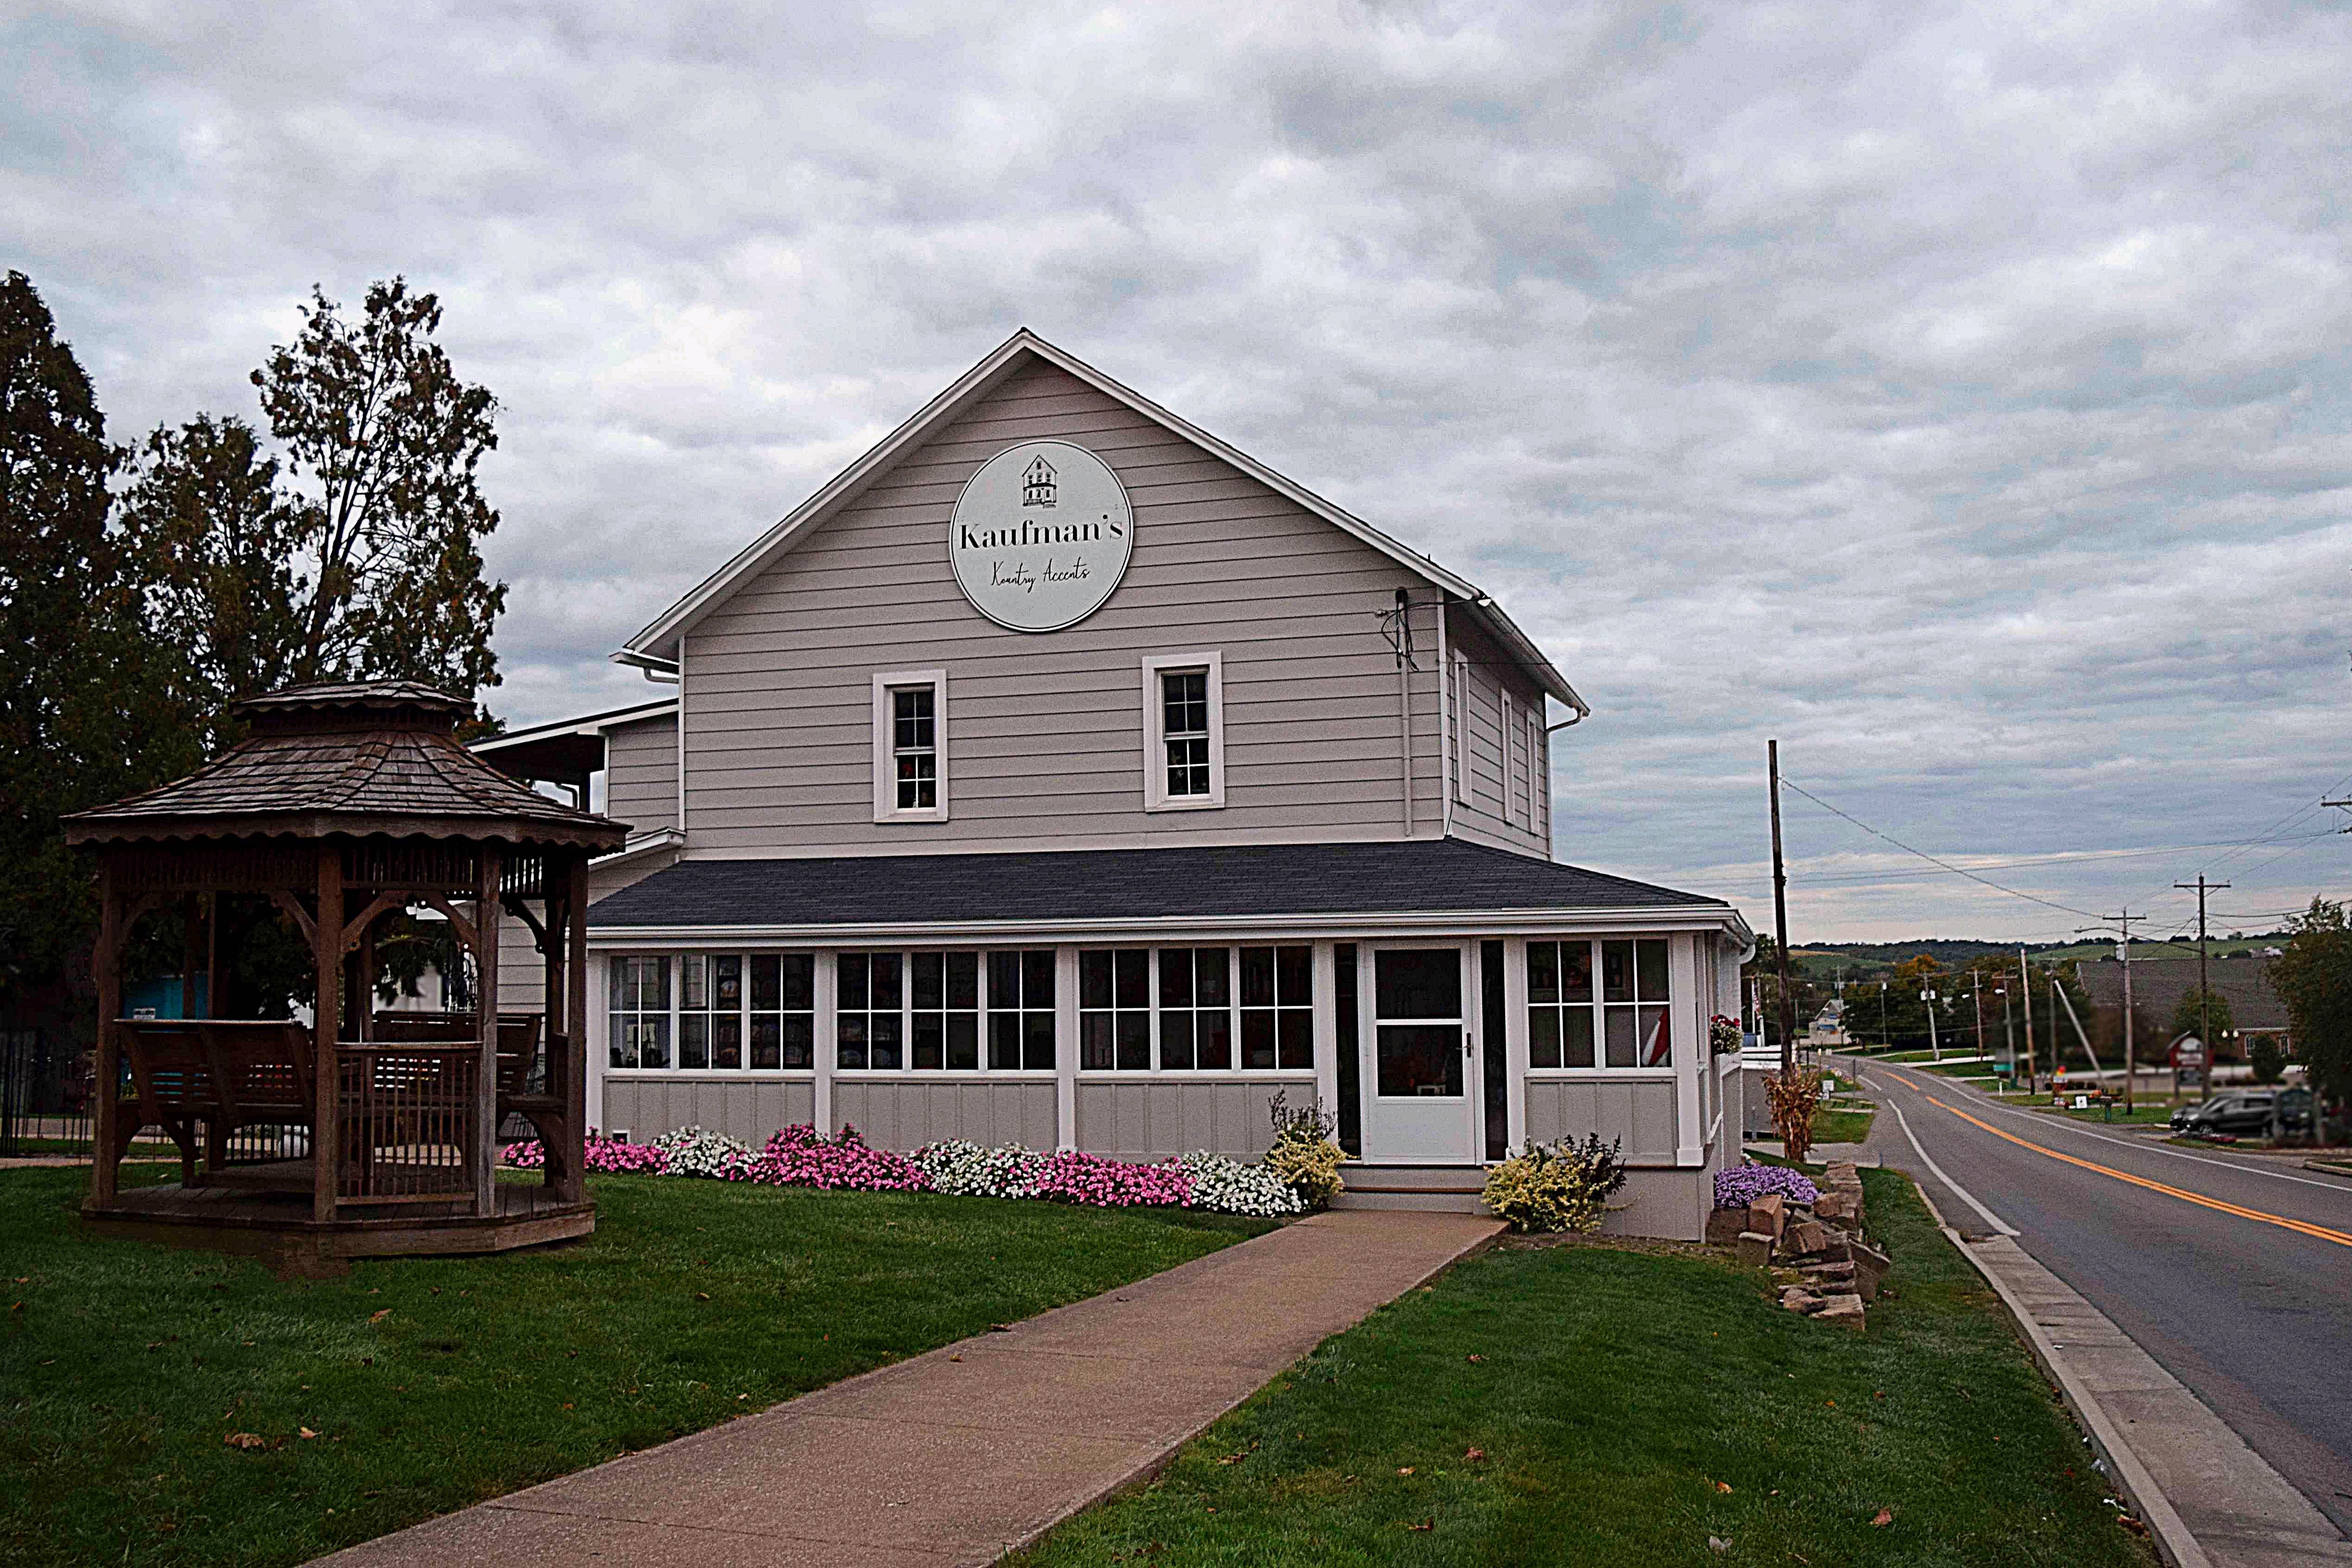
[[432, 1384], [1841, 1126], [1588, 1405]]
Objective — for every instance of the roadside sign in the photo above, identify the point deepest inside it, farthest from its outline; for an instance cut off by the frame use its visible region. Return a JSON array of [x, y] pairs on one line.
[[2187, 1051]]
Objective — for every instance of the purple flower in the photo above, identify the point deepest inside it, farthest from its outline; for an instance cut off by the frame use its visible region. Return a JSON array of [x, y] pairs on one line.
[[1738, 1186]]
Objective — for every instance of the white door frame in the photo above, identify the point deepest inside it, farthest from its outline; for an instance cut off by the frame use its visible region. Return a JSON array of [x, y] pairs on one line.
[[1419, 1132]]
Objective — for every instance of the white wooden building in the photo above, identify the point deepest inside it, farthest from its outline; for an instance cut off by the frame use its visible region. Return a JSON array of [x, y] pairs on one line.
[[1059, 774]]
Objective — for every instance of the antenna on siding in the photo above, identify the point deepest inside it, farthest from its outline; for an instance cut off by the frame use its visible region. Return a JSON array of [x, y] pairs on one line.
[[1396, 625]]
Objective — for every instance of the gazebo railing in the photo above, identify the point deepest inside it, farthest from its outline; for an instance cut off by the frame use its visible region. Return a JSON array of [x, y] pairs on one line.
[[407, 1114]]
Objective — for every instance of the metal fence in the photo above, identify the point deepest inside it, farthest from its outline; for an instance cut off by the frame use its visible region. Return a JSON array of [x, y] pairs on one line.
[[44, 1095]]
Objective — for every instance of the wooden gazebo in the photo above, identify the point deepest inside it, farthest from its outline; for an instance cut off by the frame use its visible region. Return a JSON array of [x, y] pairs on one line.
[[349, 804]]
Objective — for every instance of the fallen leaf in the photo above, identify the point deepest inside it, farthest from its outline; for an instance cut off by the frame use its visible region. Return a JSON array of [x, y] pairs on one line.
[[1404, 1470], [567, 1405], [1717, 1544], [2128, 1523], [306, 1431], [1833, 1404], [993, 1327], [702, 1295], [1885, 1516], [1477, 1358], [955, 1358], [1723, 1486], [246, 1440], [1474, 1455], [378, 1315]]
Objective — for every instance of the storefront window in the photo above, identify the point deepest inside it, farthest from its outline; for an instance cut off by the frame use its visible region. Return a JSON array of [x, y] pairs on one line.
[[1115, 1010], [1625, 1025], [639, 1022], [733, 1012]]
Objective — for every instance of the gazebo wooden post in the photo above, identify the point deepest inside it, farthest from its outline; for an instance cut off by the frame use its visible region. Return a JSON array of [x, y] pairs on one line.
[[326, 1032], [553, 934], [107, 1067], [575, 938], [487, 914]]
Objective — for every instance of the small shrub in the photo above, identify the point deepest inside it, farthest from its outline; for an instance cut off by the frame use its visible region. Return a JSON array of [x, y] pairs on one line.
[[1556, 1186], [2268, 1060], [1737, 1186], [1303, 1154]]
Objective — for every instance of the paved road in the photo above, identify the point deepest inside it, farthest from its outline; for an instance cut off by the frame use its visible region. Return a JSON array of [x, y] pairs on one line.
[[2251, 1313]]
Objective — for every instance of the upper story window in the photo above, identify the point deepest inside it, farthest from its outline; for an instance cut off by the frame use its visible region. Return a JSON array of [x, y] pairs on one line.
[[1185, 721], [910, 745]]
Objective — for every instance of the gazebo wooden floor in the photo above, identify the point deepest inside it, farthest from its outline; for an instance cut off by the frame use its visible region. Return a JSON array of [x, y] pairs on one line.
[[266, 1213]]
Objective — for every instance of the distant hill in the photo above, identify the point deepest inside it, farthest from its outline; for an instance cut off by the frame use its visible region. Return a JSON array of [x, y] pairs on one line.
[[1856, 959]]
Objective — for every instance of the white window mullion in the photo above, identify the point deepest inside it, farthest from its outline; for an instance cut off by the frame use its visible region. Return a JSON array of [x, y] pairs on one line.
[[1183, 732]]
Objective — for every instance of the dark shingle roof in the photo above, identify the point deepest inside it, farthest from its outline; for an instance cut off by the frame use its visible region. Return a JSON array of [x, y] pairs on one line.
[[354, 758], [1426, 876], [2159, 984]]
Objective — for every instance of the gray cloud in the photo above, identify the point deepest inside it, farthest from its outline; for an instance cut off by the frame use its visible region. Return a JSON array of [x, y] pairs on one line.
[[1958, 393]]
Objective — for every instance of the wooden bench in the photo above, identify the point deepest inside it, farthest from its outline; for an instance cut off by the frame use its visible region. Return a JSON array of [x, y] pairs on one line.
[[517, 1042], [224, 1073]]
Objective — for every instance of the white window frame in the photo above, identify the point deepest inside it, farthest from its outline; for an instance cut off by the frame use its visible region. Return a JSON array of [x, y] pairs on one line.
[[1518, 996], [1155, 737], [1316, 1007], [1461, 785], [674, 962], [885, 773]]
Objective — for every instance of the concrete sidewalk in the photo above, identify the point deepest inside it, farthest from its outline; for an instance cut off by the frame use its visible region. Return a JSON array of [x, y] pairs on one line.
[[956, 1455]]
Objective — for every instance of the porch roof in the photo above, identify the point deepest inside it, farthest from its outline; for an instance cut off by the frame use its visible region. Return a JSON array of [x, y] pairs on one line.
[[1112, 886]]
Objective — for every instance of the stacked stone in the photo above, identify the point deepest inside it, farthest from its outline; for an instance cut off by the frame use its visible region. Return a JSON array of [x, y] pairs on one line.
[[1838, 1271]]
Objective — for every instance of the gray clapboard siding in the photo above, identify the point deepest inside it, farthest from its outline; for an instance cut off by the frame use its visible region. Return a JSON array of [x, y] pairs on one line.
[[1484, 817], [749, 1110], [1045, 733], [1671, 1204], [906, 1113], [1640, 1112], [1149, 1122], [641, 773]]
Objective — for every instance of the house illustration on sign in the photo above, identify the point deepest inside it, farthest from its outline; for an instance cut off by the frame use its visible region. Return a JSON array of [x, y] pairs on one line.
[[1208, 838], [1037, 483]]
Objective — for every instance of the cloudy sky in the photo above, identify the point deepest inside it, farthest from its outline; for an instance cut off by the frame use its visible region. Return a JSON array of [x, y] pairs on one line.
[[1959, 394]]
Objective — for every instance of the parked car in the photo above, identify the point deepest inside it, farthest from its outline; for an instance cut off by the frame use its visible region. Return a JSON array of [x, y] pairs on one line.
[[2246, 1114]]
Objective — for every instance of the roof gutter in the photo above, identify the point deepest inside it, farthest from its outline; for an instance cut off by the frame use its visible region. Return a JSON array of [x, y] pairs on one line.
[[654, 667]]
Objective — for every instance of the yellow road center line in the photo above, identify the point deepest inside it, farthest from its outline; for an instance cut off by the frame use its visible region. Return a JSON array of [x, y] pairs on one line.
[[2318, 1232]]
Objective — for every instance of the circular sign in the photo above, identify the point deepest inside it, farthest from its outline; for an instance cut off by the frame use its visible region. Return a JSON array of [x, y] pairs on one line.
[[1041, 536]]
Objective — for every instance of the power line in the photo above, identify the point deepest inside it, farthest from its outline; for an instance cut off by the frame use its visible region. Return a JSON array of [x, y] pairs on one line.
[[1946, 865]]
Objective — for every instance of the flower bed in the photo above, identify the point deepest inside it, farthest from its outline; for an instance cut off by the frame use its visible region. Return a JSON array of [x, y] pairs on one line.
[[1739, 1186], [801, 1156]]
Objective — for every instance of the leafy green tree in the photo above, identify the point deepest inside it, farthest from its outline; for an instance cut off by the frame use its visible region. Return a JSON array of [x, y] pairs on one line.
[[2314, 978], [85, 711], [2204, 1013], [353, 552]]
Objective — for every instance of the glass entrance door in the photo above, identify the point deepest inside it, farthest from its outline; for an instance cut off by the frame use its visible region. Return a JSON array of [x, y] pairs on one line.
[[1423, 1053]]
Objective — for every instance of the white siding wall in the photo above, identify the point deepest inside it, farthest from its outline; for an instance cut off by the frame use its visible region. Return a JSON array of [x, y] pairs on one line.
[[1045, 736]]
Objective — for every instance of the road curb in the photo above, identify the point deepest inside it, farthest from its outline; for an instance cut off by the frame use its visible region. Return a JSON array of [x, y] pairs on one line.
[[2173, 1542]]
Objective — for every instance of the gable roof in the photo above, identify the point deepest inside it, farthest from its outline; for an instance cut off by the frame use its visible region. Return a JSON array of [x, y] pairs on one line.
[[657, 643], [1037, 888]]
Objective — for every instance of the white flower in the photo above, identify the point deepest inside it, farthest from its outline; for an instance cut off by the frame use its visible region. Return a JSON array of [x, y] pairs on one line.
[[694, 1151], [1228, 1186]]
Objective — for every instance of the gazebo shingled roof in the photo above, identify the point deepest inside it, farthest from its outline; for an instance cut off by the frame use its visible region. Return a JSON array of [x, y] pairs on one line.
[[361, 758]]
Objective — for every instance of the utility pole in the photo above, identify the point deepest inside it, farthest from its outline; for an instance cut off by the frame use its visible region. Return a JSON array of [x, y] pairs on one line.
[[1931, 996], [1976, 989], [2204, 991], [1788, 1009], [2123, 946], [2025, 979], [2007, 1032], [1884, 1040]]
